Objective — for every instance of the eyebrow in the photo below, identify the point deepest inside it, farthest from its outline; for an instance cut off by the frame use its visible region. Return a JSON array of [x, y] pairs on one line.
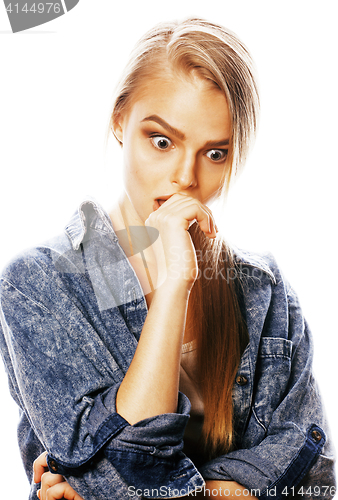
[[216, 144], [179, 134], [164, 124]]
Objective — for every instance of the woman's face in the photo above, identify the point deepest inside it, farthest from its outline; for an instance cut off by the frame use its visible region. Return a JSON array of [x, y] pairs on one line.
[[175, 139]]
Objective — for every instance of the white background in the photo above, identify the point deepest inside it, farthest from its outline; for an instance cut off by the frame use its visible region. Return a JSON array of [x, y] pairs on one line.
[[56, 86]]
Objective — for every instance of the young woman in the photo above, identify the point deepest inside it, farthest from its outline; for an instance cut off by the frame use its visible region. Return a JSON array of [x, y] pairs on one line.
[[118, 330]]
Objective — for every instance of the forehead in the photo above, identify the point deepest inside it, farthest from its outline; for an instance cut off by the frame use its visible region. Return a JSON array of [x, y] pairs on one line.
[[189, 103]]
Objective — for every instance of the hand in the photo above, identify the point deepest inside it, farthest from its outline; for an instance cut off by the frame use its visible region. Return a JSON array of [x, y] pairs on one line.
[[40, 467], [174, 251], [53, 486]]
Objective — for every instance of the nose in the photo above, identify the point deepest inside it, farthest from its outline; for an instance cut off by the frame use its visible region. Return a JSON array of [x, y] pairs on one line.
[[184, 173]]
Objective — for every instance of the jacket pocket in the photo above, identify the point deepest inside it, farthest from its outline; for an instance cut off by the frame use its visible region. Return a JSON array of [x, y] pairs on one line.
[[272, 376]]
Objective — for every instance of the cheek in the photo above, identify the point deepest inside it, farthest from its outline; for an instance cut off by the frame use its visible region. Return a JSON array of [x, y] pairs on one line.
[[211, 181], [138, 166]]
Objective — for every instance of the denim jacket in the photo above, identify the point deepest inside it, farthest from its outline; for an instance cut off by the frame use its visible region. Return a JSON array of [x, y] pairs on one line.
[[72, 311]]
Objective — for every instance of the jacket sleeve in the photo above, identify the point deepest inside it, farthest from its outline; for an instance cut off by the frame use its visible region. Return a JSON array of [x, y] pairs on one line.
[[286, 446], [66, 384]]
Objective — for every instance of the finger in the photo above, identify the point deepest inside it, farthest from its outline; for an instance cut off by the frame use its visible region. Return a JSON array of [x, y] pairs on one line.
[[192, 209], [62, 491], [40, 466], [214, 228], [179, 200], [47, 481]]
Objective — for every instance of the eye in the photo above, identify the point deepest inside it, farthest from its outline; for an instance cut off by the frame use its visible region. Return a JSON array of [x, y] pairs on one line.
[[217, 155], [161, 142]]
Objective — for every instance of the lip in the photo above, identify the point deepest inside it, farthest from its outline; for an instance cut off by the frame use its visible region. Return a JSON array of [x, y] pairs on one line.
[[165, 197], [160, 200]]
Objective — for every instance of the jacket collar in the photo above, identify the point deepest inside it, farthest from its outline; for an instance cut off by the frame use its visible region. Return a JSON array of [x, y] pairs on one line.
[[88, 212]]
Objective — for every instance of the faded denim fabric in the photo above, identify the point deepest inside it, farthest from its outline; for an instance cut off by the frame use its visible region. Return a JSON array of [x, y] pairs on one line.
[[72, 311]]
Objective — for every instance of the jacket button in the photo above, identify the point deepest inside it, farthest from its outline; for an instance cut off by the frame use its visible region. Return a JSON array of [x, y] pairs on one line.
[[241, 380], [53, 465], [316, 436]]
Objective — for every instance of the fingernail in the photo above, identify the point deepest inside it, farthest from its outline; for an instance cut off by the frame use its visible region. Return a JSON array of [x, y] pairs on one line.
[[38, 493]]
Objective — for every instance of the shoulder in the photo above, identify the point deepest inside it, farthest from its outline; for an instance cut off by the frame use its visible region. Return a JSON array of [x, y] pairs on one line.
[[269, 299], [264, 270], [260, 270], [34, 267], [59, 254], [259, 266]]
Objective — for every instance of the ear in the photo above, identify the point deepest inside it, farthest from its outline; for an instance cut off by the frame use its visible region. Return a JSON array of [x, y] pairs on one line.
[[117, 128]]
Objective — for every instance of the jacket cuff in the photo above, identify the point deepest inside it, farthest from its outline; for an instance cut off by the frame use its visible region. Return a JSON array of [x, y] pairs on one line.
[[300, 465], [148, 455], [262, 477]]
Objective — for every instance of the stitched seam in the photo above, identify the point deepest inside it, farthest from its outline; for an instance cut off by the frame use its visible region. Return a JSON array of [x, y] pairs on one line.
[[26, 296], [258, 421]]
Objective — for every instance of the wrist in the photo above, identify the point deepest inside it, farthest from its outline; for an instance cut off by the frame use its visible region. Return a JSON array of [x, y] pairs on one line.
[[181, 288]]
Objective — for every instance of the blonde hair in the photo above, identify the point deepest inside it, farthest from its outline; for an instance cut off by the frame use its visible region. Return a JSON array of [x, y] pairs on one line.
[[214, 54]]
